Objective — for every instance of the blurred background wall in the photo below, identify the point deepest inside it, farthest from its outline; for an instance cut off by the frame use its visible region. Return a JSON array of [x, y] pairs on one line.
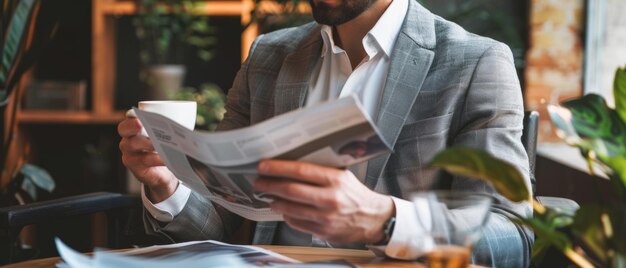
[[555, 57]]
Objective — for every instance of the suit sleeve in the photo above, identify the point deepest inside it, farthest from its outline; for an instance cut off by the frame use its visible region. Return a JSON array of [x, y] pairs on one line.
[[200, 219], [491, 119]]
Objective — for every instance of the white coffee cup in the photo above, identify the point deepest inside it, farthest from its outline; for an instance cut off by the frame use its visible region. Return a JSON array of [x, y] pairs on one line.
[[181, 112]]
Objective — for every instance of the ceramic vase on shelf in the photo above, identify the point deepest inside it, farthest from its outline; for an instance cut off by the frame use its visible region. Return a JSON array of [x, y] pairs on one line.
[[163, 81]]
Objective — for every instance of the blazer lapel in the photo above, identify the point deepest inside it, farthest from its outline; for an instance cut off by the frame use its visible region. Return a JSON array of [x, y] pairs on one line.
[[410, 62], [294, 78]]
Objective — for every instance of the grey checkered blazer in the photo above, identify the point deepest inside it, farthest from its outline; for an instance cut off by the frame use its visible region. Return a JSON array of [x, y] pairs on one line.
[[446, 87]]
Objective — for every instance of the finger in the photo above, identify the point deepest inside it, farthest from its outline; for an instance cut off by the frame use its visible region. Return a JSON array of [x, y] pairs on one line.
[[302, 171], [129, 127], [299, 211], [142, 160], [136, 144], [296, 191]]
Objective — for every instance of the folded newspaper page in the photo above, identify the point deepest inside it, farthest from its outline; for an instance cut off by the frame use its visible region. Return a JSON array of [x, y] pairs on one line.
[[222, 165]]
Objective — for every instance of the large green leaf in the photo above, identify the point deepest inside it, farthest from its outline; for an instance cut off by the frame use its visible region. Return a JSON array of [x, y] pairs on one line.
[[562, 119], [594, 121], [589, 124], [45, 30], [619, 92], [38, 176], [14, 37], [480, 165]]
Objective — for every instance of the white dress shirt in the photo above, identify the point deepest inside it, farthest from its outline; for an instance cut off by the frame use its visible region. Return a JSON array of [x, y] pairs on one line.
[[335, 78]]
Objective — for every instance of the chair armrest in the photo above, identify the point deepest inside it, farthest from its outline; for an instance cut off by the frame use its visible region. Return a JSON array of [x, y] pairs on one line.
[[22, 215]]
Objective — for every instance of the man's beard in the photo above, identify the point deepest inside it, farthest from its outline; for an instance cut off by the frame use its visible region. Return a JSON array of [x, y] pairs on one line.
[[346, 11]]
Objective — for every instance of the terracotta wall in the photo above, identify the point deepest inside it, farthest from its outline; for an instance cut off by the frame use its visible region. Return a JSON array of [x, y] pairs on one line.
[[555, 57]]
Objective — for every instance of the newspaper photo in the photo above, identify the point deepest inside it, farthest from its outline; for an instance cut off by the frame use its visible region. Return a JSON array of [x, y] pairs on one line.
[[222, 165]]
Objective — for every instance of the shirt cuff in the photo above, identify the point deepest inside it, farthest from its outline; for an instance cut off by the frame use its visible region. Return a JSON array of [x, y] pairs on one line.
[[166, 210], [409, 240]]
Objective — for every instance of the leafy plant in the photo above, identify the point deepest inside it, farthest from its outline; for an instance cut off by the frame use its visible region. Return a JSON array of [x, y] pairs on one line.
[[167, 28], [596, 234], [211, 101], [24, 33], [478, 164], [23, 188]]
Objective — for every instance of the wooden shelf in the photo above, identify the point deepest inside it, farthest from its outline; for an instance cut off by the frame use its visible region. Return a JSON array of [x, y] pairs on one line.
[[68, 117], [215, 8], [104, 16]]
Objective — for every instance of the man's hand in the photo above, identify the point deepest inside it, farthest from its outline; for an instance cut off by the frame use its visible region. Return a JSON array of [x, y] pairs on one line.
[[330, 203], [139, 156]]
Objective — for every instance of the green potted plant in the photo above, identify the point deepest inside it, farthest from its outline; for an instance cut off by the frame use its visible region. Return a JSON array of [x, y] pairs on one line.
[[596, 235], [24, 33], [166, 29], [211, 102]]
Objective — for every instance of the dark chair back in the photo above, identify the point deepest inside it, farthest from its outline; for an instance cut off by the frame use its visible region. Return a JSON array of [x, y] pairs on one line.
[[529, 140], [118, 208]]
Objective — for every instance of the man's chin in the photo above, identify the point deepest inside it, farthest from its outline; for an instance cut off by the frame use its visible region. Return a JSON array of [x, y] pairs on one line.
[[331, 12], [323, 11], [325, 17], [324, 4]]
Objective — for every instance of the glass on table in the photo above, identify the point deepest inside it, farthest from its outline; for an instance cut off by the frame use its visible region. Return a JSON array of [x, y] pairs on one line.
[[451, 223]]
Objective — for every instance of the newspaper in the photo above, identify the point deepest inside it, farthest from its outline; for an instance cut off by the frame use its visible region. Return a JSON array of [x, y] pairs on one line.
[[222, 165], [207, 253]]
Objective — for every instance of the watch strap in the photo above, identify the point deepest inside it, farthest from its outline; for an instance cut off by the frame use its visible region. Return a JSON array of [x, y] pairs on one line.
[[388, 228]]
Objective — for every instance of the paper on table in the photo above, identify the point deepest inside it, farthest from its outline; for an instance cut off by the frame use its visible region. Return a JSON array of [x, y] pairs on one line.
[[109, 259], [189, 254], [71, 257]]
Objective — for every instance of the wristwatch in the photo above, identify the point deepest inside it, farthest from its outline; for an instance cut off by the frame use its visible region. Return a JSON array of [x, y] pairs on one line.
[[387, 231]]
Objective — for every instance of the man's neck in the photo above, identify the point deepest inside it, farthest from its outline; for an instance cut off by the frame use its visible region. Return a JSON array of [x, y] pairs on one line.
[[349, 35]]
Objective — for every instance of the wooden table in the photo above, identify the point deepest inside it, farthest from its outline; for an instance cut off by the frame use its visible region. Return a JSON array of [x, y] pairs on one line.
[[362, 258]]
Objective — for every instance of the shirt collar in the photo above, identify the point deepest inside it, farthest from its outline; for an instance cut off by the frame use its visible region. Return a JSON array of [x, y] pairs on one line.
[[384, 33], [386, 30], [328, 40]]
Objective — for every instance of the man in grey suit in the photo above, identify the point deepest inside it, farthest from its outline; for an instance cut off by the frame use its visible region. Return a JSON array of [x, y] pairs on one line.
[[427, 84]]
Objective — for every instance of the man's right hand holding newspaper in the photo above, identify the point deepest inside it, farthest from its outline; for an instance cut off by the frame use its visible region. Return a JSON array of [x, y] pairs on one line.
[[330, 203]]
